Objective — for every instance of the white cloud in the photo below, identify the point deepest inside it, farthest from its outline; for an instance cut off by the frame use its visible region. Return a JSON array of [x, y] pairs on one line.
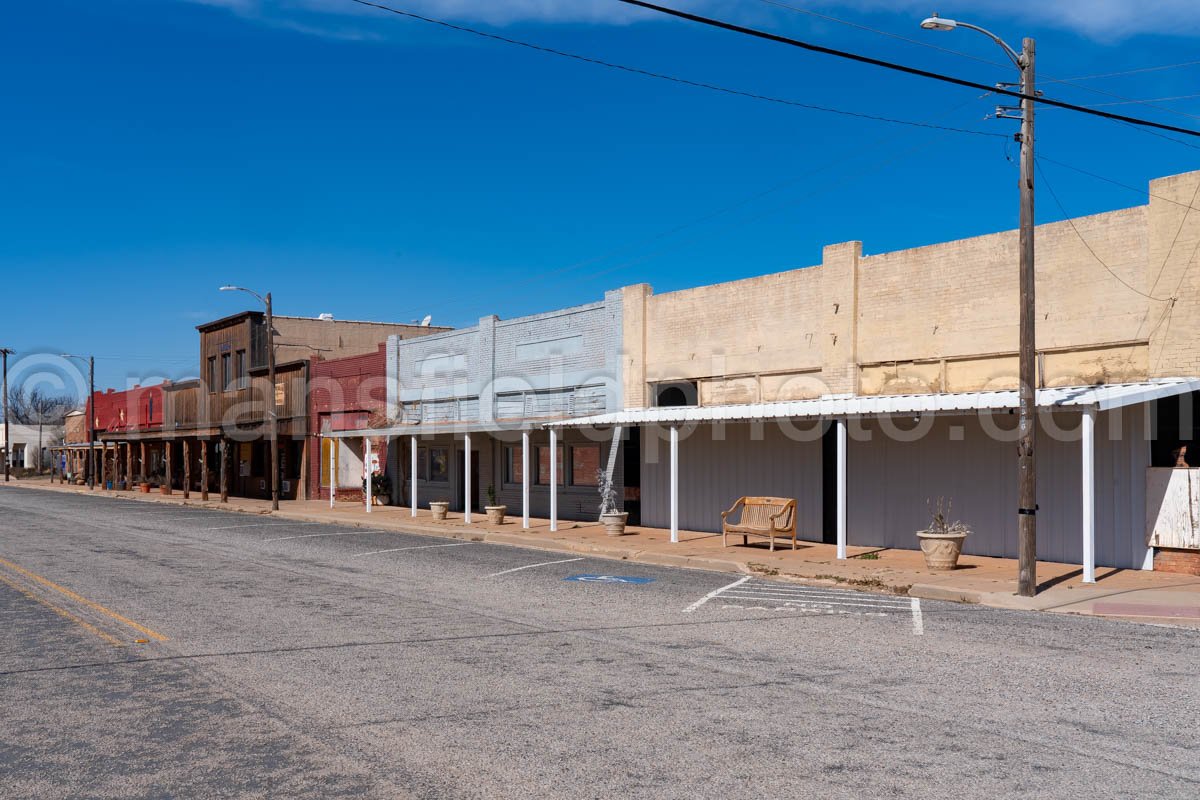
[[1099, 19]]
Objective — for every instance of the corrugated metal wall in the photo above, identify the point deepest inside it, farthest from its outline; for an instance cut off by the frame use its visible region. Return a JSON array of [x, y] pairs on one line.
[[891, 482], [714, 473]]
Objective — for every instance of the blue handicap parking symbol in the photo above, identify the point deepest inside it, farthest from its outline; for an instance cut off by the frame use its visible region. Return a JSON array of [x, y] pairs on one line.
[[608, 579]]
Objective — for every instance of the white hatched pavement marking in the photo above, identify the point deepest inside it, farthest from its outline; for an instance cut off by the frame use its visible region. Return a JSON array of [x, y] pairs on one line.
[[531, 566], [419, 547], [715, 593], [918, 623], [318, 535], [816, 599]]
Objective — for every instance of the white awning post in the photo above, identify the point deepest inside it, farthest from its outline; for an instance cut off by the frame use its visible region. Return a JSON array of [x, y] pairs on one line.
[[1087, 428], [333, 446], [412, 477], [674, 483], [367, 471], [840, 435], [553, 480], [467, 478], [524, 479]]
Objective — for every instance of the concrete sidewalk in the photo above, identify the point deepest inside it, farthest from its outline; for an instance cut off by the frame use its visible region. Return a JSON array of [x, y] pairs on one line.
[[1128, 594]]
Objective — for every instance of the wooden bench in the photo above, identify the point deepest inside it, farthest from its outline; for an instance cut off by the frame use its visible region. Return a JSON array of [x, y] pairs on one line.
[[761, 516]]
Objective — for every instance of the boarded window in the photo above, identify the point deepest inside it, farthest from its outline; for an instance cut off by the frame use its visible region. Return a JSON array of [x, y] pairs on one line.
[[226, 371], [543, 466], [513, 466], [327, 446], [585, 464]]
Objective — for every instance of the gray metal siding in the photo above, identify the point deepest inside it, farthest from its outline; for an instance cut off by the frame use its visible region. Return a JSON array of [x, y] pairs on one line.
[[891, 483], [713, 474]]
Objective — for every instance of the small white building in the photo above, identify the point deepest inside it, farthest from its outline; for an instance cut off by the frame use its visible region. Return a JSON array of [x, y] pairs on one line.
[[27, 441]]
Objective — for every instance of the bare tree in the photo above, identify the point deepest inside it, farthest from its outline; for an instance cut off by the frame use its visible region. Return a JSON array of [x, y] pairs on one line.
[[43, 409]]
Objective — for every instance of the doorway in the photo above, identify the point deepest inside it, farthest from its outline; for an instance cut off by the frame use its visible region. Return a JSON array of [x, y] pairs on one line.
[[462, 472]]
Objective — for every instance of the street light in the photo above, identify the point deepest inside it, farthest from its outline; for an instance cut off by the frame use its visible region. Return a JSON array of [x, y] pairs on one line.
[[272, 423], [90, 405], [1027, 494], [5, 352]]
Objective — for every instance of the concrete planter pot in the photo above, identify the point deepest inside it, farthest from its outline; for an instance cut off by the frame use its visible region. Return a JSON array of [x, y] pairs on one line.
[[614, 523], [439, 508], [495, 514], [164, 489], [941, 550], [144, 488]]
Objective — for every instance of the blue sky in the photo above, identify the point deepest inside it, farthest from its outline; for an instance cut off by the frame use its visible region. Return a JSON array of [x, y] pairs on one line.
[[356, 163]]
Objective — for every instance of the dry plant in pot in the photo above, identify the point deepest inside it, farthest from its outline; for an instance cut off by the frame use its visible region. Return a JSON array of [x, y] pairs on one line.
[[942, 541], [495, 512], [612, 519]]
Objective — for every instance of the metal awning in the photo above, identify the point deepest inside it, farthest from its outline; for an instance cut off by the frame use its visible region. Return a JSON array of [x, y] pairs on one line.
[[434, 429], [1077, 398]]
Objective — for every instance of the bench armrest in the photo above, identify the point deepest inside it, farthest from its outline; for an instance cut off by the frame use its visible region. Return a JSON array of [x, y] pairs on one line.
[[733, 508]]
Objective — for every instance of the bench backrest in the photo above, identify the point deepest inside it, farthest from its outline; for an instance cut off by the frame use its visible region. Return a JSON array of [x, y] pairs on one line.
[[757, 511]]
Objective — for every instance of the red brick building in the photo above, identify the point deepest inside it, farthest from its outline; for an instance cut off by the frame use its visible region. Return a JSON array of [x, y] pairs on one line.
[[344, 394]]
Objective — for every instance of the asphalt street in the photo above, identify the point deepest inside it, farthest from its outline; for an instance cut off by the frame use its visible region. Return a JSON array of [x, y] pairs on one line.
[[159, 651]]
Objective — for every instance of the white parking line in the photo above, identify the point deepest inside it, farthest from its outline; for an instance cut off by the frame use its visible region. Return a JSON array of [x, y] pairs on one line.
[[715, 593], [318, 535], [421, 547], [531, 566], [918, 623], [263, 525]]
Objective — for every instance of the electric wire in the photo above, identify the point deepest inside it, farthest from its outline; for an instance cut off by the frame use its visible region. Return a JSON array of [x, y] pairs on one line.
[[1044, 78], [1068, 219], [665, 77], [891, 65]]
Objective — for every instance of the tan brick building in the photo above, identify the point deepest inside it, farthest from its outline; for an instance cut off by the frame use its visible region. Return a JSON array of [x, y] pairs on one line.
[[924, 343]]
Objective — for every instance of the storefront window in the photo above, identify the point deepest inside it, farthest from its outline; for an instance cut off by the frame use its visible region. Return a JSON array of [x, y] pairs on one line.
[[543, 466], [439, 464], [585, 464], [513, 466]]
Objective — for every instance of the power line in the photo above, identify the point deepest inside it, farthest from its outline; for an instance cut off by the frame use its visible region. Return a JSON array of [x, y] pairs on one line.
[[1067, 218], [921, 43], [1143, 192], [1135, 71], [1154, 100], [672, 78], [877, 62]]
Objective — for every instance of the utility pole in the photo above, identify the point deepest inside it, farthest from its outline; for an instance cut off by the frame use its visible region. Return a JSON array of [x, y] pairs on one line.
[[272, 413], [272, 407], [1027, 346], [1026, 466], [7, 445], [90, 408]]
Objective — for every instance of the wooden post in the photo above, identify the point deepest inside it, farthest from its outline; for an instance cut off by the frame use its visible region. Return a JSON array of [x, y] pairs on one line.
[[204, 469], [142, 462], [170, 475], [224, 445], [104, 465], [129, 466], [187, 470]]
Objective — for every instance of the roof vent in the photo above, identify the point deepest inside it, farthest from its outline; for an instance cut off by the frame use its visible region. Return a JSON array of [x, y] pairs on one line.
[[326, 317], [428, 319]]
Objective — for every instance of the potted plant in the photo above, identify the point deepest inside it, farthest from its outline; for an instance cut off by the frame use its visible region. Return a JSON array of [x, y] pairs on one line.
[[144, 484], [612, 519], [160, 478], [439, 508], [942, 541], [381, 489], [495, 513]]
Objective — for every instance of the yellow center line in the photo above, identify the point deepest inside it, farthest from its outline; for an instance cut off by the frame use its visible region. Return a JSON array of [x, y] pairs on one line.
[[62, 612], [80, 599]]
